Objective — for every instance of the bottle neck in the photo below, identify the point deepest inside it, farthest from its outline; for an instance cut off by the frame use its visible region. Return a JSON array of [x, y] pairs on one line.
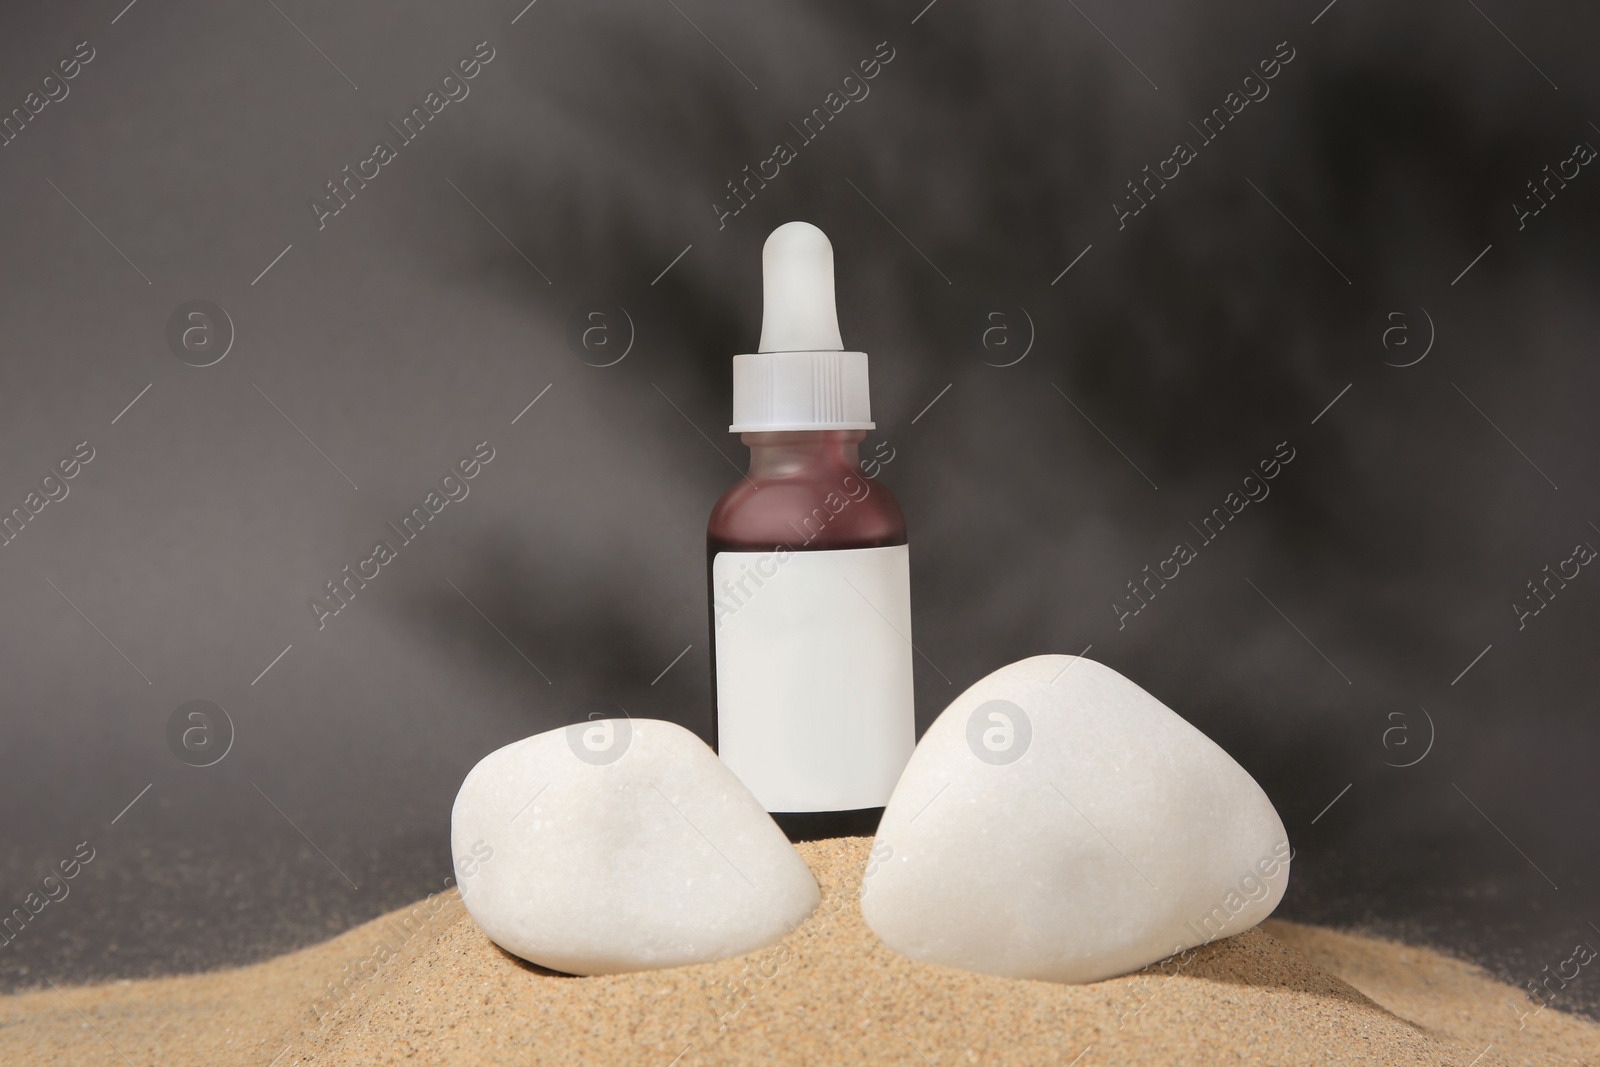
[[795, 452]]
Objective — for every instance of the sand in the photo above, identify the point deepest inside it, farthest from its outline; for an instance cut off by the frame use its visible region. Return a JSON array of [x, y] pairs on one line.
[[424, 985]]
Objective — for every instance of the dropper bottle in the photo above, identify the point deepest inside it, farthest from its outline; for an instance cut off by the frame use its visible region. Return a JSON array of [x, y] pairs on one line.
[[809, 570]]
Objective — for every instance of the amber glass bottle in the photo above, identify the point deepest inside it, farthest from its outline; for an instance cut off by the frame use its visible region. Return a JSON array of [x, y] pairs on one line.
[[808, 571]]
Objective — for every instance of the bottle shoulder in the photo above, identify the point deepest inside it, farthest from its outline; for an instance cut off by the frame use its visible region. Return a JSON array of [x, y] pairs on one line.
[[845, 509]]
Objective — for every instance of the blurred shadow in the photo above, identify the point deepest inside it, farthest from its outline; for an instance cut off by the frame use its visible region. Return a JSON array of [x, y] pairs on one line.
[[533, 968]]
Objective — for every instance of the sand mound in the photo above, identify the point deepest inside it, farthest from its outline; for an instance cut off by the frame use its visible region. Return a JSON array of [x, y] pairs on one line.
[[424, 984]]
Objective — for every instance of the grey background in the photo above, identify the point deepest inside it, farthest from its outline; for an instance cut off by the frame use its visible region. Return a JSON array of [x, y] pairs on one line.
[[424, 317]]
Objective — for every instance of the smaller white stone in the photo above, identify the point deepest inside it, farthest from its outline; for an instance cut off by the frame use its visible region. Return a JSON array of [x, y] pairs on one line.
[[622, 845], [1058, 822]]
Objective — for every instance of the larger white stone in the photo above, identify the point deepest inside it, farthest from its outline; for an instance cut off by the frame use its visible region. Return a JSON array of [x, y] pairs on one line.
[[622, 845], [1058, 822]]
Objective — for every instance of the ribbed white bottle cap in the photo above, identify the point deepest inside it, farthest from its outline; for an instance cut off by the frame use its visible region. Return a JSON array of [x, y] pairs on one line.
[[801, 379]]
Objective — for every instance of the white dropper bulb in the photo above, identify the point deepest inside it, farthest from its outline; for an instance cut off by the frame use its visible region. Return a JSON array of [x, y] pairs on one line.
[[797, 311], [802, 378]]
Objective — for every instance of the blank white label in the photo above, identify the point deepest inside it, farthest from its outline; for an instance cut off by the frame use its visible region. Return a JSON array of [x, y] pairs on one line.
[[814, 702]]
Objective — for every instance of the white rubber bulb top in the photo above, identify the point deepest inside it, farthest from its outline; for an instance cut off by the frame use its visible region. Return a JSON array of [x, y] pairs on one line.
[[797, 308], [801, 378]]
